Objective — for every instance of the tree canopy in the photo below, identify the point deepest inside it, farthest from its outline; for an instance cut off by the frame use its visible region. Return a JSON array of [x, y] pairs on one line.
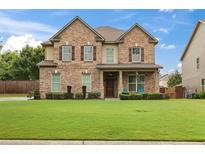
[[22, 65], [174, 79]]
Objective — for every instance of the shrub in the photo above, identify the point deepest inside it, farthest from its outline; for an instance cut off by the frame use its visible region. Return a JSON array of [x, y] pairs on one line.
[[68, 95], [36, 94], [93, 95], [84, 91], [145, 96], [58, 95], [49, 95], [79, 96], [202, 95], [155, 96], [135, 96], [125, 96]]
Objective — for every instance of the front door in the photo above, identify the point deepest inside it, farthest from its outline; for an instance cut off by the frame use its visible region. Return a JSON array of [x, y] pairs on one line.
[[110, 88]]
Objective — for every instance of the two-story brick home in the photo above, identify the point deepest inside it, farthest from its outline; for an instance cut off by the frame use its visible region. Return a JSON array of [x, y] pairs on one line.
[[105, 59]]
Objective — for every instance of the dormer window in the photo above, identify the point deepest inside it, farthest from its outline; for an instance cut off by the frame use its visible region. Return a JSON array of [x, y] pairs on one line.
[[88, 53], [136, 54]]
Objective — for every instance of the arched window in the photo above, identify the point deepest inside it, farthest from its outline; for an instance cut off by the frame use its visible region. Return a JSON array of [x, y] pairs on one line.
[[202, 84]]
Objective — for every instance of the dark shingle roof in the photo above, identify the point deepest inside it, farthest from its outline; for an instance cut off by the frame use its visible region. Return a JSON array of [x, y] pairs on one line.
[[109, 33], [128, 66]]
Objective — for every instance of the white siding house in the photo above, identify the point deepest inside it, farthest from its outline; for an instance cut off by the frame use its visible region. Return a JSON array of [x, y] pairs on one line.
[[193, 60]]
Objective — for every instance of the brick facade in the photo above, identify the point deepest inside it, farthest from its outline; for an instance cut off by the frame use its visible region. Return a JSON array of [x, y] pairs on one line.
[[78, 34]]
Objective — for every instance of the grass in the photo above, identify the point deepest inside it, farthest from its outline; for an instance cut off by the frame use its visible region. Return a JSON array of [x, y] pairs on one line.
[[178, 120], [13, 95]]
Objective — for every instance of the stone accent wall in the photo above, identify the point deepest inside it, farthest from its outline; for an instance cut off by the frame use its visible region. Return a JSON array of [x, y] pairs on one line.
[[136, 36]]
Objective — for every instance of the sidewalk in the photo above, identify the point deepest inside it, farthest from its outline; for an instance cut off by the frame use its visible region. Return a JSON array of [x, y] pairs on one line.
[[57, 142]]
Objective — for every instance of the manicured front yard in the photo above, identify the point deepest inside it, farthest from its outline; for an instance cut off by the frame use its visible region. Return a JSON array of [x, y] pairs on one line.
[[104, 120]]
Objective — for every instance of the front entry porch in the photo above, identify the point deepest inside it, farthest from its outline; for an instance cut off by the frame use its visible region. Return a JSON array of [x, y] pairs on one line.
[[116, 81], [111, 84]]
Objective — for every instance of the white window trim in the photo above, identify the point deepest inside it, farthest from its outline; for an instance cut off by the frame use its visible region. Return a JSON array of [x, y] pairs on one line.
[[63, 54], [136, 90], [90, 82], [113, 56], [84, 52], [132, 83], [140, 55], [52, 83]]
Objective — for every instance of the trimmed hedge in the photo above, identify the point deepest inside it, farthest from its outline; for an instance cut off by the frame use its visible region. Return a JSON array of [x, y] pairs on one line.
[[94, 95], [59, 95], [79, 96], [144, 96], [200, 95], [36, 94]]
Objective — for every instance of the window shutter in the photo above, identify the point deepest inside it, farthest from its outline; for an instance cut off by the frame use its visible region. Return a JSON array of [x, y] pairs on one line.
[[142, 54], [130, 54], [73, 52], [82, 53], [94, 52], [60, 52]]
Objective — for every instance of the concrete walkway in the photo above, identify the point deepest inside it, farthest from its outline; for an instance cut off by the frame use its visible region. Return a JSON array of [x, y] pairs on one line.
[[56, 142], [13, 98]]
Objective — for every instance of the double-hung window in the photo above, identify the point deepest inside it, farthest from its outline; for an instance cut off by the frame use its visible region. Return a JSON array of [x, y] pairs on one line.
[[88, 53], [86, 81], [110, 55], [66, 53], [136, 54], [55, 82], [140, 83], [136, 83]]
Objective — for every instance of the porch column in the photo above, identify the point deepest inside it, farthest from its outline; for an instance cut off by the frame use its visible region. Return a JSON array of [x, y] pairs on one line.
[[120, 83], [157, 81], [101, 84]]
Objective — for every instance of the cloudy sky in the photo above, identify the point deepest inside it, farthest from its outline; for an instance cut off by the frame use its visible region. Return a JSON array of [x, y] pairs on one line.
[[172, 27]]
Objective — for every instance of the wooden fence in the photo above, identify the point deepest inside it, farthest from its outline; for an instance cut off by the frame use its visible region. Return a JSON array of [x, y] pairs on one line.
[[18, 86], [174, 92]]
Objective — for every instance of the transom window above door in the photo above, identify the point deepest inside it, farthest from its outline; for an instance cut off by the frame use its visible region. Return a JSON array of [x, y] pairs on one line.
[[110, 55], [136, 54], [88, 53], [66, 53]]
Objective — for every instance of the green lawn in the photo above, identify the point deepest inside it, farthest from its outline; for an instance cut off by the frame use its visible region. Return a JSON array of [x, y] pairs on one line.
[[104, 120], [13, 95]]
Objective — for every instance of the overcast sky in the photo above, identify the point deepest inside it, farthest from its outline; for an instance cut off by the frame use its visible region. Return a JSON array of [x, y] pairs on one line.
[[172, 27]]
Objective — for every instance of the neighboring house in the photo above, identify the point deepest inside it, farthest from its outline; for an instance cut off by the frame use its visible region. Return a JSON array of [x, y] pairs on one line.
[[105, 59], [163, 80], [193, 61]]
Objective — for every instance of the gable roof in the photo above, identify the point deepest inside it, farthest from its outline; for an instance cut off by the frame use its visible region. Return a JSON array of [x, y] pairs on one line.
[[68, 24], [141, 28], [191, 38], [105, 33], [109, 33]]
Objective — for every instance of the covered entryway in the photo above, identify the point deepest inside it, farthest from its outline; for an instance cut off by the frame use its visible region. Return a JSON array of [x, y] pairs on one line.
[[110, 84]]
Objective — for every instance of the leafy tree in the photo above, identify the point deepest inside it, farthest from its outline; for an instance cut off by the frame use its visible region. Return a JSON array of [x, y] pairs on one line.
[[1, 45], [22, 66], [6, 65], [174, 79]]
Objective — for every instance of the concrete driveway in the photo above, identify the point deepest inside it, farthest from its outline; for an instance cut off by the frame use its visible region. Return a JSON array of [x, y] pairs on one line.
[[13, 98], [57, 142]]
